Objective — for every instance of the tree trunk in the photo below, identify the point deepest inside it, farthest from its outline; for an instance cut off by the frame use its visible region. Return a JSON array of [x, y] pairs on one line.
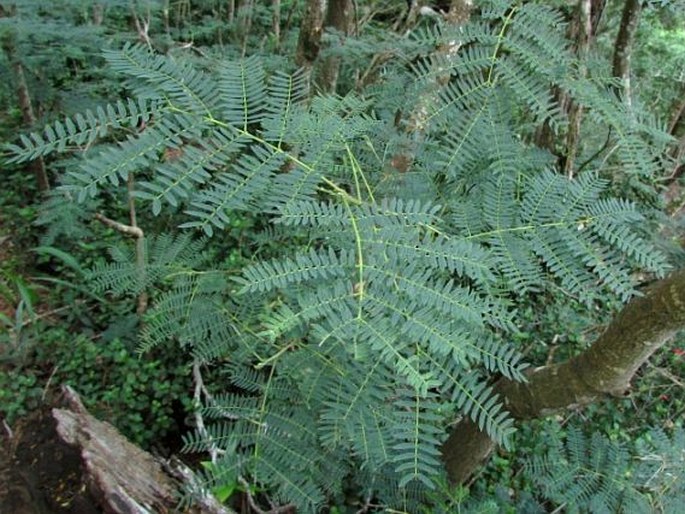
[[339, 15], [624, 44], [309, 42], [418, 119], [606, 368], [276, 21], [98, 14], [582, 29], [37, 166], [230, 11], [584, 18]]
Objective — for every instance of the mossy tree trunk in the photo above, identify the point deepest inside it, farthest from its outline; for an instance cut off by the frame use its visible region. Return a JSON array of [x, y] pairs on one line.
[[606, 368]]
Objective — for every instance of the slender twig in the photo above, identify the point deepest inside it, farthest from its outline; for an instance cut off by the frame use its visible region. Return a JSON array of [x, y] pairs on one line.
[[213, 449], [47, 384], [10, 434], [140, 244], [253, 504], [667, 374], [367, 505], [120, 227], [142, 28], [33, 319]]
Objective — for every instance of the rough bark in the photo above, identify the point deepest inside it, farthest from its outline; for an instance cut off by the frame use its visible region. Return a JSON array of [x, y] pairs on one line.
[[309, 41], [582, 33], [677, 115], [339, 15], [417, 120], [606, 368], [123, 477], [576, 113], [459, 12], [676, 128], [624, 44]]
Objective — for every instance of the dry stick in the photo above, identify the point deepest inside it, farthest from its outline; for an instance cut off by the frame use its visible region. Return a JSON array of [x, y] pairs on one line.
[[43, 315], [248, 13], [134, 231], [142, 28], [48, 383], [667, 374], [200, 392], [7, 428], [213, 450]]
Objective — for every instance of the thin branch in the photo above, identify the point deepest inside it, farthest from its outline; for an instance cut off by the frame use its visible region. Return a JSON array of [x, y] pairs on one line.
[[253, 505], [47, 384], [213, 450], [667, 374], [119, 227], [140, 245], [7, 428]]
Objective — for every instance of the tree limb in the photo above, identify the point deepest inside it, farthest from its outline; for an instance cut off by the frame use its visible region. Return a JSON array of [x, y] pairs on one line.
[[120, 227], [606, 368]]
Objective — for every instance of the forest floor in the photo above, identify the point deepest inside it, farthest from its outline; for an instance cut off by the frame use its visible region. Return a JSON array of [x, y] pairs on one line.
[[39, 473]]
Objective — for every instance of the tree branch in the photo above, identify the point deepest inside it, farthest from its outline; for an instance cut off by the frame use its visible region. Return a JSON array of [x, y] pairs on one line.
[[606, 368], [120, 227]]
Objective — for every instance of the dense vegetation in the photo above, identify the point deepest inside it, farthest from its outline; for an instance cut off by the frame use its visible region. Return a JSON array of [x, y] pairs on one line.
[[345, 253]]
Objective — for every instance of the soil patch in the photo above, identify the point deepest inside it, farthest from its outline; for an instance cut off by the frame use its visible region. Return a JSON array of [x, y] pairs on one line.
[[39, 473]]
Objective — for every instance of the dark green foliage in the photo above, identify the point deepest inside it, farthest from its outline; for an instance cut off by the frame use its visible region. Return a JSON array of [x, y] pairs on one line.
[[388, 309], [137, 395], [20, 393], [595, 474], [140, 396]]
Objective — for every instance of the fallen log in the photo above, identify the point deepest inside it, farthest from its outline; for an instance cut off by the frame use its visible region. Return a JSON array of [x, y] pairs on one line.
[[124, 478]]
